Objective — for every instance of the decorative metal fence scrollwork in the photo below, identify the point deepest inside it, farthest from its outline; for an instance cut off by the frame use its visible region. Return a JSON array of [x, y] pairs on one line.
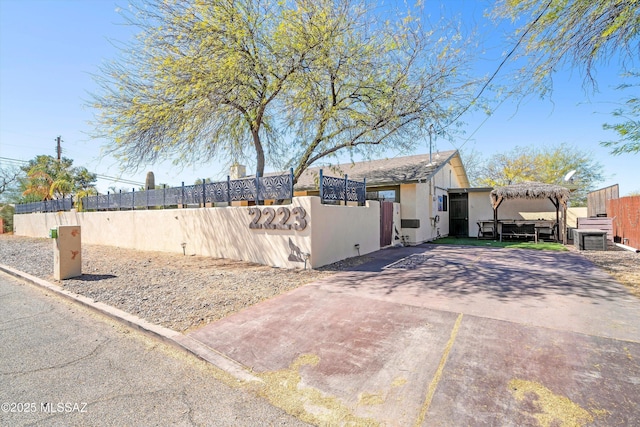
[[335, 190], [276, 187]]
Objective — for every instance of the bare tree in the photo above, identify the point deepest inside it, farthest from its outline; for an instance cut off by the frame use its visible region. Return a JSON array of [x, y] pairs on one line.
[[9, 178]]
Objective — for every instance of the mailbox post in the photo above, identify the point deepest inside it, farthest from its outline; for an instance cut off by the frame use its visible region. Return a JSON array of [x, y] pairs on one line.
[[67, 251]]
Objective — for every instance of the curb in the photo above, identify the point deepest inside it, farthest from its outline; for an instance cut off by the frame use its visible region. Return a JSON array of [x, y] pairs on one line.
[[169, 336]]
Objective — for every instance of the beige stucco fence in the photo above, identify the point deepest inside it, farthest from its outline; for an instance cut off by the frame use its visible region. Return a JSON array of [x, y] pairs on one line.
[[305, 232]]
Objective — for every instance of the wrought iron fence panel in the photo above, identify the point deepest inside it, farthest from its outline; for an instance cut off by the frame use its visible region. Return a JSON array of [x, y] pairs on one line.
[[342, 190], [173, 196], [356, 191], [352, 194], [217, 192], [67, 204], [192, 194], [114, 201], [88, 203], [100, 202], [125, 200], [332, 189], [58, 205], [22, 208], [243, 189], [154, 197], [139, 199], [275, 187]]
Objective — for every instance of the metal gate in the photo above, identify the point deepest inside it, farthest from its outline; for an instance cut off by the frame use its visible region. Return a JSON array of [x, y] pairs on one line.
[[459, 214], [386, 223]]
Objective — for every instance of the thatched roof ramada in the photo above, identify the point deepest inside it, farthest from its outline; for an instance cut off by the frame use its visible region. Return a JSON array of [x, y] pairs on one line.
[[558, 195], [530, 190]]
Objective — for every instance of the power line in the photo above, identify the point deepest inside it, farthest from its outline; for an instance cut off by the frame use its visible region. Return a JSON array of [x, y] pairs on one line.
[[12, 162], [17, 162], [124, 181]]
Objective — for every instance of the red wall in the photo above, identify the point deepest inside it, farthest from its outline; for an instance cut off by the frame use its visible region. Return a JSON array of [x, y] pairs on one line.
[[625, 213]]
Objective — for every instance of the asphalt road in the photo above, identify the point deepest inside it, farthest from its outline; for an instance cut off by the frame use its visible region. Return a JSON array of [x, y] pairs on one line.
[[61, 364]]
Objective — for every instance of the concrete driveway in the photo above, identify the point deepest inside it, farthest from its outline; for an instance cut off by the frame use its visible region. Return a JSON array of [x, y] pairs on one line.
[[446, 335]]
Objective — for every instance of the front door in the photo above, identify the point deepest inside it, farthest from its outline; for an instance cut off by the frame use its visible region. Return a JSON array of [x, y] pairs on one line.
[[459, 214]]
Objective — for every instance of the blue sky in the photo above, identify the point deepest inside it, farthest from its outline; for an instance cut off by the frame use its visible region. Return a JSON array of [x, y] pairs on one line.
[[50, 48]]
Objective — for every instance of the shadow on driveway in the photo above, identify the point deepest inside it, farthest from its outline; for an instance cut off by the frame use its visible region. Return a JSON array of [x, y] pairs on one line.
[[446, 335]]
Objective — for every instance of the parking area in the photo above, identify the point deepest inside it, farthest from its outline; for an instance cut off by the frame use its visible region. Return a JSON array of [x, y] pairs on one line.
[[447, 335]]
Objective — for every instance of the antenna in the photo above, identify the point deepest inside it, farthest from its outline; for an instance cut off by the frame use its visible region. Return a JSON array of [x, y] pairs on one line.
[[569, 176]]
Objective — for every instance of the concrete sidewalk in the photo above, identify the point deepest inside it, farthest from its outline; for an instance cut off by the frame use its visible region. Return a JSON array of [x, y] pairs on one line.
[[435, 335], [444, 335]]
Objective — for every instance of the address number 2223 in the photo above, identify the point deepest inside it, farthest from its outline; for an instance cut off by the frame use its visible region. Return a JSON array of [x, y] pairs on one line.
[[278, 219]]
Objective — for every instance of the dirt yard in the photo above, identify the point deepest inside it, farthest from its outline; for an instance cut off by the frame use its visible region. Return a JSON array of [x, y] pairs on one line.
[[621, 264]]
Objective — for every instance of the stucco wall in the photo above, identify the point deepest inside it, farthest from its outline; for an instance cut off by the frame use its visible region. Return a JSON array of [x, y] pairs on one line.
[[479, 209], [337, 229], [329, 236], [531, 209], [397, 227], [420, 201]]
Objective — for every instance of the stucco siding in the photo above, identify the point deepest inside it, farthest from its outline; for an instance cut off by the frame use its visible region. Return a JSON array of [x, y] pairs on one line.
[[329, 235]]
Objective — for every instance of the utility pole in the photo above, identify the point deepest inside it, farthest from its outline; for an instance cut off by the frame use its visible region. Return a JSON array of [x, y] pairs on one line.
[[58, 140]]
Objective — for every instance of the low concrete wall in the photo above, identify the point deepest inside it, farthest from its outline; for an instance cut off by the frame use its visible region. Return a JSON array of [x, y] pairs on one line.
[[336, 230], [329, 235]]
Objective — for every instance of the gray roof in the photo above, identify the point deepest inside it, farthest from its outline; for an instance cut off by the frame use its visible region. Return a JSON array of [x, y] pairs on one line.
[[390, 171]]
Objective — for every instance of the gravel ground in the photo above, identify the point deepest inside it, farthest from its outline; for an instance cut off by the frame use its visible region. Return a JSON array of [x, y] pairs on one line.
[[172, 290], [186, 292], [622, 264]]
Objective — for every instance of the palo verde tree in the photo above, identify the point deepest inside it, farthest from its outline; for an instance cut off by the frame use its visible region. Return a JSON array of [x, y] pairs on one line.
[[628, 129], [290, 82], [578, 33], [371, 85], [548, 165], [581, 34]]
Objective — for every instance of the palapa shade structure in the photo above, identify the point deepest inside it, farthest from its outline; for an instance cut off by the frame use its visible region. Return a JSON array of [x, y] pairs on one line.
[[558, 195]]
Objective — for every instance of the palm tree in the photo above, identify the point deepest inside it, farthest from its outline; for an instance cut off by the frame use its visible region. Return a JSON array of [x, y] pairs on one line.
[[38, 185]]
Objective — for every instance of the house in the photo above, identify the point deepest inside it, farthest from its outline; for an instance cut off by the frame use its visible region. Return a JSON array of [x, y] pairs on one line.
[[414, 189], [411, 200]]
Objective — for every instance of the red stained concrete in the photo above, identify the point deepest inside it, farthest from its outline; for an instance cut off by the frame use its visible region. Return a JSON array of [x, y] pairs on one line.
[[549, 318]]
